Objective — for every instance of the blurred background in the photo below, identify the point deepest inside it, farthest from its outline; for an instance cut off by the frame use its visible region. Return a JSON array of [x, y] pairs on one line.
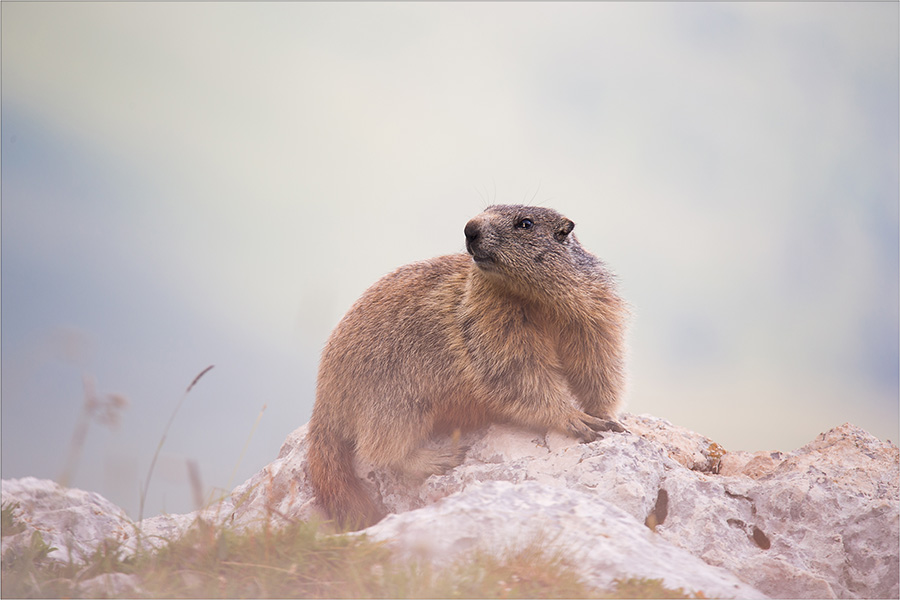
[[198, 184]]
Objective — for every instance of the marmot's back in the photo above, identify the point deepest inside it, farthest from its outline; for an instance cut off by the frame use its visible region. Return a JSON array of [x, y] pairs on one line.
[[522, 330]]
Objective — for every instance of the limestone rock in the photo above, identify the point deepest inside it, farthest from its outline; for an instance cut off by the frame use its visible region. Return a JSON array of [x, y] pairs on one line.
[[601, 541], [72, 521], [822, 521]]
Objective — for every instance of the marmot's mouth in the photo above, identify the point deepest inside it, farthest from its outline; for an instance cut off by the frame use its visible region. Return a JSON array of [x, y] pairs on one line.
[[482, 259]]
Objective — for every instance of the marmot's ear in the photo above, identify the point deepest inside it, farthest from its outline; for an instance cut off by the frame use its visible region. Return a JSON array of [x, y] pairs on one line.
[[564, 229]]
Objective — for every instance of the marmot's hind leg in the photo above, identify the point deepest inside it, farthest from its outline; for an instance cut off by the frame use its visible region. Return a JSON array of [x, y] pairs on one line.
[[404, 445]]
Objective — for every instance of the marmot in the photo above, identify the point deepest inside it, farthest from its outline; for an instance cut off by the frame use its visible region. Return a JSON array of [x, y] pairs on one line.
[[526, 329]]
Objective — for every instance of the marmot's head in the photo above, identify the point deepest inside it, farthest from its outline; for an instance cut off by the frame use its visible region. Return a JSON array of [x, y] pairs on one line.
[[523, 243]]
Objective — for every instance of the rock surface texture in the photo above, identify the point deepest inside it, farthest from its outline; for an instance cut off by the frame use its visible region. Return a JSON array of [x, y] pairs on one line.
[[657, 502]]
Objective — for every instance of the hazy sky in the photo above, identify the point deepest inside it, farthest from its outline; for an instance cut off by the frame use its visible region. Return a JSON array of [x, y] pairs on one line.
[[186, 184]]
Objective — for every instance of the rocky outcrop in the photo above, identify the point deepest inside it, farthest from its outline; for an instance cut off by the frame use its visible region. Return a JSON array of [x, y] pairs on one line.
[[657, 502], [72, 521], [601, 540]]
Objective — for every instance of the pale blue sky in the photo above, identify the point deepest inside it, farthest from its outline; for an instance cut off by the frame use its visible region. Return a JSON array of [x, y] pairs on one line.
[[206, 183]]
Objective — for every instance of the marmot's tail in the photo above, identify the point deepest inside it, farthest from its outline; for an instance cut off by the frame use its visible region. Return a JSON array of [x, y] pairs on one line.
[[334, 480]]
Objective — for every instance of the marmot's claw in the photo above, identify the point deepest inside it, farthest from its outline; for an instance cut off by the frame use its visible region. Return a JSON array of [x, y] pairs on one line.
[[615, 426], [461, 453], [604, 425]]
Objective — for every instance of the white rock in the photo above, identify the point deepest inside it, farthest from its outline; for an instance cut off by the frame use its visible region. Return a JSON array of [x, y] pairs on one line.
[[841, 539], [818, 522], [601, 541], [72, 521]]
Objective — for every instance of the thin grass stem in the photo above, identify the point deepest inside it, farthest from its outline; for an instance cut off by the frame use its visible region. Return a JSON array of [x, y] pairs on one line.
[[162, 440]]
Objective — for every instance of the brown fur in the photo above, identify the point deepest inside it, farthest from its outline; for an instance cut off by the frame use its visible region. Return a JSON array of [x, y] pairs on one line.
[[526, 329]]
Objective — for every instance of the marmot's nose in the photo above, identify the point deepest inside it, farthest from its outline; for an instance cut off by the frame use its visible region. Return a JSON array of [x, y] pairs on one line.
[[472, 231]]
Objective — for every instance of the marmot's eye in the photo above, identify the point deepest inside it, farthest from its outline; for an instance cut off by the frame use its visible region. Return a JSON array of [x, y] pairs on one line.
[[525, 223]]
